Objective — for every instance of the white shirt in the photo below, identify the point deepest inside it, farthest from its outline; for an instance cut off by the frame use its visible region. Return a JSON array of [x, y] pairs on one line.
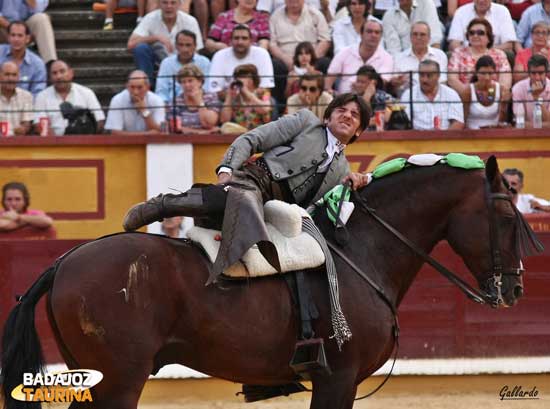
[[224, 63], [408, 61], [446, 105], [498, 15], [47, 104], [152, 24], [123, 116], [270, 6], [344, 34], [334, 146], [523, 204]]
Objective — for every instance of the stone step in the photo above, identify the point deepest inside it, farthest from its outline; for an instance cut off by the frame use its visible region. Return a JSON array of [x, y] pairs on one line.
[[71, 4], [104, 92], [101, 36], [96, 56], [82, 19], [102, 72]]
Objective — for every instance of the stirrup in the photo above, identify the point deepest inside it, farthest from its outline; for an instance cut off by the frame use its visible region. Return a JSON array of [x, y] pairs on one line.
[[310, 357]]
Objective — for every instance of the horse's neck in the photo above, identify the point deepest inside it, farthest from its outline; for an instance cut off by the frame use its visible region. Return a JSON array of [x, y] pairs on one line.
[[419, 206]]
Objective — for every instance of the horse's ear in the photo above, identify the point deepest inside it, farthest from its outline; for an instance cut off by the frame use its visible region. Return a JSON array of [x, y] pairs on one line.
[[491, 171]]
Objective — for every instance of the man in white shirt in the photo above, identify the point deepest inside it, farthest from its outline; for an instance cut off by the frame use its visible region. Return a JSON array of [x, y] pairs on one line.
[[64, 90], [136, 110], [397, 24], [496, 14], [154, 38], [15, 103], [241, 52], [409, 59], [525, 202], [435, 106]]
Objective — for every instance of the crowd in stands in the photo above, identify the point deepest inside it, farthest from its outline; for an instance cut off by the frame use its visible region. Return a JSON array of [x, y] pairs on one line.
[[238, 64]]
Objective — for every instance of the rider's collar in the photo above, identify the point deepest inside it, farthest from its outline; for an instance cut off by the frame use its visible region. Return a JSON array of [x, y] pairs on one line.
[[333, 142]]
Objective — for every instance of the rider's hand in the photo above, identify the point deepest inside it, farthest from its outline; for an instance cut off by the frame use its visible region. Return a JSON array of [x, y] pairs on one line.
[[358, 180], [224, 177]]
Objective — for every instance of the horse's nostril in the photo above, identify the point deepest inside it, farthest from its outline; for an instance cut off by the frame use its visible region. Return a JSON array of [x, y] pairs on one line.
[[518, 291]]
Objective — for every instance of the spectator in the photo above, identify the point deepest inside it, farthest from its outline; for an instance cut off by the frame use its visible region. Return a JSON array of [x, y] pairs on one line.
[[39, 24], [397, 23], [326, 7], [485, 101], [112, 5], [221, 31], [289, 26], [531, 89], [311, 95], [154, 38], [63, 89], [186, 45], [304, 63], [539, 34], [246, 104], [15, 103], [525, 202], [32, 71], [346, 63], [241, 52], [370, 86], [197, 111], [498, 17], [420, 50], [172, 227], [136, 110], [16, 214], [516, 7], [463, 60], [434, 105], [347, 30], [537, 13]]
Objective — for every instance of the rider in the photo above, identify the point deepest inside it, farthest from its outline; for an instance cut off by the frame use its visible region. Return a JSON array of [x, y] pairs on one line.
[[302, 160]]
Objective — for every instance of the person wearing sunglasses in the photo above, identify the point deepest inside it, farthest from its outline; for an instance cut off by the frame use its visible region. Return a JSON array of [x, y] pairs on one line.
[[311, 95], [463, 60], [539, 33]]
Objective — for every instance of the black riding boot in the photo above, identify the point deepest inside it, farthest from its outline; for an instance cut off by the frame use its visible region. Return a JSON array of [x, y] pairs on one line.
[[196, 202]]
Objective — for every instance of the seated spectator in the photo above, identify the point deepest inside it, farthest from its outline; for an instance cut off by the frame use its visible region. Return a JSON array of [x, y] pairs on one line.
[[167, 87], [63, 89], [173, 227], [196, 111], [463, 59], [409, 59], [16, 214], [136, 110], [397, 23], [289, 26], [485, 101], [347, 30], [32, 70], [516, 7], [38, 23], [370, 86], [219, 36], [434, 105], [345, 64], [304, 63], [311, 95], [526, 92], [15, 103], [498, 17], [241, 52], [112, 5], [154, 38], [539, 33], [326, 7], [246, 104], [537, 13], [525, 202]]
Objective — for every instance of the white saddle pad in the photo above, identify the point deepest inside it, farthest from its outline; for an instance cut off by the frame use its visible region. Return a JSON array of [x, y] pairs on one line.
[[298, 252]]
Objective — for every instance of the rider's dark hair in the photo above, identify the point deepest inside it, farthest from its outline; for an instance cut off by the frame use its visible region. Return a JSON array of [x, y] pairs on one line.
[[17, 186], [343, 99]]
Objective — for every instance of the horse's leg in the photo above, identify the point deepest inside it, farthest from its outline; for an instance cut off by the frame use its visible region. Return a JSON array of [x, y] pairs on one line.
[[334, 392]]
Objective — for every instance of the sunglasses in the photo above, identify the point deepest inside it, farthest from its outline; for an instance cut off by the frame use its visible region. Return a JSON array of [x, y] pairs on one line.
[[477, 32], [310, 89]]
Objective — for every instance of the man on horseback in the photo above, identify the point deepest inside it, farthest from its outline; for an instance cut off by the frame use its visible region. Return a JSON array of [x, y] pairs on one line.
[[302, 160]]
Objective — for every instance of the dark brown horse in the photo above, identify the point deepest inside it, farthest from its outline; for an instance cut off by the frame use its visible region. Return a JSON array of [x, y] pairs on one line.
[[128, 304]]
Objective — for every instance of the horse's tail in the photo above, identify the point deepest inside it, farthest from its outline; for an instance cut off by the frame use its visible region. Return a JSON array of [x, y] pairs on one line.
[[21, 350]]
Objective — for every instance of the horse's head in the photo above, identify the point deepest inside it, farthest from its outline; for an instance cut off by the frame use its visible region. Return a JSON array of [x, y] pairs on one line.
[[491, 235]]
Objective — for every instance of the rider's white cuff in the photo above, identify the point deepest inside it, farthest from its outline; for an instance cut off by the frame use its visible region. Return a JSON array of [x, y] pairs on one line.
[[225, 169]]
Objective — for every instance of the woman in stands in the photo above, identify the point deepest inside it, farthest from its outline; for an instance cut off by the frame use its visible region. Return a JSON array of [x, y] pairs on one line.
[[463, 60], [485, 100], [347, 30], [219, 35], [539, 34], [195, 110], [16, 214], [304, 63], [246, 104]]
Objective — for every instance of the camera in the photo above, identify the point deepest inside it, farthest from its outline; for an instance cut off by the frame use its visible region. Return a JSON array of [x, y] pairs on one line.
[[237, 84]]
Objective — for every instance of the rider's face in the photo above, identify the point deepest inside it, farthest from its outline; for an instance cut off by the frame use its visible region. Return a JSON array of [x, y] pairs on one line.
[[344, 121]]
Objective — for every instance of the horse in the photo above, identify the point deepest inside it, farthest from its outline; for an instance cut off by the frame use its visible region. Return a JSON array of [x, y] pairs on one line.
[[130, 303]]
